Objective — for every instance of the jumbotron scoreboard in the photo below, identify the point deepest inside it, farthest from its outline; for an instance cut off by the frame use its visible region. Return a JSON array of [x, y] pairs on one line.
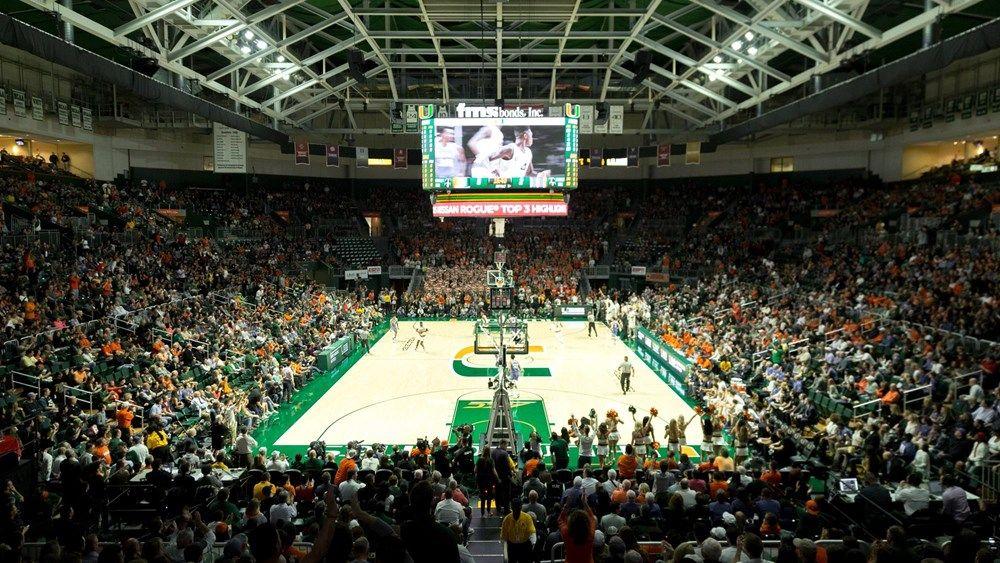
[[493, 147]]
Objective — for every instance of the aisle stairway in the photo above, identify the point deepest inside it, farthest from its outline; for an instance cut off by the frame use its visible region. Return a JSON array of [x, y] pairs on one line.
[[485, 542]]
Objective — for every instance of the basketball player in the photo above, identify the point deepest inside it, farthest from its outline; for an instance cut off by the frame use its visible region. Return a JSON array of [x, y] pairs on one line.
[[515, 369], [514, 160], [421, 333], [449, 157], [363, 335], [625, 376], [591, 327], [394, 327], [484, 143]]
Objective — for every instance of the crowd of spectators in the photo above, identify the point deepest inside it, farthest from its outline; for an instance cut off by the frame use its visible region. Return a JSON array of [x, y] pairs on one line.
[[153, 356]]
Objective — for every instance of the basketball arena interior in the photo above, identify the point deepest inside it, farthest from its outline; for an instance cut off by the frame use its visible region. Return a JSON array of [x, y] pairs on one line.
[[582, 281]]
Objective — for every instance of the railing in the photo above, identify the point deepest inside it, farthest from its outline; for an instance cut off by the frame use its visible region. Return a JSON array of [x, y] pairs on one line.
[[26, 381], [980, 344], [83, 396], [597, 272], [48, 237], [771, 548]]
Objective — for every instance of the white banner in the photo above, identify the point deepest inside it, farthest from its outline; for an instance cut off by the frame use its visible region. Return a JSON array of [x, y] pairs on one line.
[[230, 149], [88, 120], [74, 113], [616, 120], [37, 108], [361, 157], [586, 120], [556, 111], [20, 107], [374, 270], [638, 270], [355, 275]]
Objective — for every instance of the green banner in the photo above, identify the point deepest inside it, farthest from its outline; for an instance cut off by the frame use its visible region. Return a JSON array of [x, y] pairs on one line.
[[670, 365]]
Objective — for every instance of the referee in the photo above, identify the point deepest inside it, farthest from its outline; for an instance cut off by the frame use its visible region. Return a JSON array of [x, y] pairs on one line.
[[625, 376], [591, 327]]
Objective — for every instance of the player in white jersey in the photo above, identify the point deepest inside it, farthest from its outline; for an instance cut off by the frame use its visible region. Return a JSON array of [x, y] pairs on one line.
[[449, 157], [394, 327], [483, 144], [514, 160], [421, 333]]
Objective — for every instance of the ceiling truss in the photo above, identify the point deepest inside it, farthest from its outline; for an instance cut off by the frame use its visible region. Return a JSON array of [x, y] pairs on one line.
[[295, 62]]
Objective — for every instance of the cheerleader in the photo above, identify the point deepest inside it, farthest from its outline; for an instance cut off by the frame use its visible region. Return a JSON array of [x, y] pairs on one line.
[[644, 438], [708, 433], [613, 435], [673, 437], [741, 441], [602, 444]]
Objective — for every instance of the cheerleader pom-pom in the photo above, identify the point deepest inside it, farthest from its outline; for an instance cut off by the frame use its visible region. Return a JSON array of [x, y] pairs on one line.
[[653, 411], [631, 409], [612, 414]]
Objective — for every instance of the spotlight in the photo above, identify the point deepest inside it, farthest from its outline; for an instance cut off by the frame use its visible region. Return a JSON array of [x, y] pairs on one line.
[[281, 58], [748, 35], [19, 142], [248, 34], [752, 51], [737, 45], [717, 59], [245, 49], [712, 76], [261, 44]]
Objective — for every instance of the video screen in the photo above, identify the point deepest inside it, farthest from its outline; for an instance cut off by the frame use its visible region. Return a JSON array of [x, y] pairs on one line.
[[517, 153]]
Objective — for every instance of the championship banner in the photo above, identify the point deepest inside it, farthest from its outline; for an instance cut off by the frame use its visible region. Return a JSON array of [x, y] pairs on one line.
[[586, 120], [638, 270], [361, 157], [333, 155], [88, 119], [3, 101], [596, 158], [616, 120], [302, 152], [399, 158], [76, 116], [663, 155], [633, 157], [20, 108], [62, 109], [37, 108]]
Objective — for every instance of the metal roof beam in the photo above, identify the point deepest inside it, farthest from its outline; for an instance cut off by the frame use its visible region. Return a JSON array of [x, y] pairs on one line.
[[749, 61], [246, 21], [152, 16], [765, 31], [309, 31], [635, 32], [688, 61], [842, 18], [363, 30]]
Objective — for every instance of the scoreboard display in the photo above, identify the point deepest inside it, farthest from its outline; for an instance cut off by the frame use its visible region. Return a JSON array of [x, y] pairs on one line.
[[493, 147]]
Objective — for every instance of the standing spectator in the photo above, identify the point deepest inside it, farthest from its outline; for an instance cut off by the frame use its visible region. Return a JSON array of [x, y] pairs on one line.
[[518, 534]]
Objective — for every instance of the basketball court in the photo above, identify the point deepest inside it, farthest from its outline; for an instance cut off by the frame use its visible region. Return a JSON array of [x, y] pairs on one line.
[[397, 394]]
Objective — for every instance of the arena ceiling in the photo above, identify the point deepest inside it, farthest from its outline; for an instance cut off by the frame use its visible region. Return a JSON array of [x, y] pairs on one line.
[[297, 61]]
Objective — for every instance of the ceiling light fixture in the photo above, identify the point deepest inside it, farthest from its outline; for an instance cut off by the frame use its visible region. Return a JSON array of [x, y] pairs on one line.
[[737, 45], [281, 58], [245, 49], [248, 34], [261, 44], [752, 51], [749, 36], [717, 59]]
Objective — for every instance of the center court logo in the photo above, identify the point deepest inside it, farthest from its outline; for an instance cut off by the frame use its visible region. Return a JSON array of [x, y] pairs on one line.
[[463, 366]]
